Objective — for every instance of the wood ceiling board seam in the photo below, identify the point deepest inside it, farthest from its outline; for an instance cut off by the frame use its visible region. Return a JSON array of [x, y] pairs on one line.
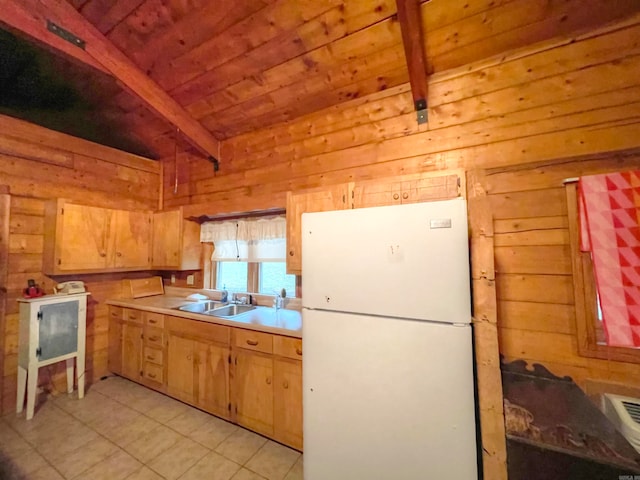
[[201, 83], [532, 50], [331, 78], [297, 71], [523, 35], [235, 42], [189, 32], [380, 82], [117, 12], [121, 67]]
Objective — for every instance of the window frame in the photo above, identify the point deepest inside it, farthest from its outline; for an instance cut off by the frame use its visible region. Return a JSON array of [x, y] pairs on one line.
[[584, 288]]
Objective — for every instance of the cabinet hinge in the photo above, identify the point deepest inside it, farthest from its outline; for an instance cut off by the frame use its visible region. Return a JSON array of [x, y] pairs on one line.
[[229, 407], [38, 351], [142, 335], [39, 315], [62, 211], [343, 199], [59, 261], [229, 359], [236, 409]]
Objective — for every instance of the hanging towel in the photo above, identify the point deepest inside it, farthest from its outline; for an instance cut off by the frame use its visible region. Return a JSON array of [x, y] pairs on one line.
[[609, 208]]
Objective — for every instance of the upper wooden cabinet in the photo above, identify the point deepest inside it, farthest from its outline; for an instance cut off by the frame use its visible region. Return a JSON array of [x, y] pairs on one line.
[[176, 242], [405, 189], [80, 238], [318, 200]]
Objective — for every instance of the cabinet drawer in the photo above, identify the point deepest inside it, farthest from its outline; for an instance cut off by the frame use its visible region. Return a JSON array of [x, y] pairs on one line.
[[287, 347], [251, 340], [153, 355], [200, 330], [131, 315], [116, 313], [154, 337], [154, 319], [152, 372]]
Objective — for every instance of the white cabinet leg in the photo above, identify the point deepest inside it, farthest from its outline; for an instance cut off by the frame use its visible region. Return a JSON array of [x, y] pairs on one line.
[[32, 387], [80, 372], [22, 388], [69, 375]]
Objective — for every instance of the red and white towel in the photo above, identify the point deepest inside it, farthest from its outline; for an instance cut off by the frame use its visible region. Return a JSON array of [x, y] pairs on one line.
[[610, 230]]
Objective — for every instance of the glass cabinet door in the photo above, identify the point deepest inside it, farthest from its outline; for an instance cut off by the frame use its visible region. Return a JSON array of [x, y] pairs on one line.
[[58, 329]]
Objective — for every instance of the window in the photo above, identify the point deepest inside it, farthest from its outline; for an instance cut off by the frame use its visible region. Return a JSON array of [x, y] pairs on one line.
[[232, 276], [274, 277], [248, 256], [589, 327]]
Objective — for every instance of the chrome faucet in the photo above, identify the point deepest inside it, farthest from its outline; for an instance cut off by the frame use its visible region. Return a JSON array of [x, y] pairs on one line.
[[278, 301]]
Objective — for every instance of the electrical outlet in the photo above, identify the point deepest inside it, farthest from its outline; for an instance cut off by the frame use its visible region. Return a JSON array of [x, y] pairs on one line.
[[173, 278], [191, 279]]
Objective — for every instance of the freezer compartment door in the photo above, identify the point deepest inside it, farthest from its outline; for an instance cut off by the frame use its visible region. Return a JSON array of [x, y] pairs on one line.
[[387, 399], [409, 261]]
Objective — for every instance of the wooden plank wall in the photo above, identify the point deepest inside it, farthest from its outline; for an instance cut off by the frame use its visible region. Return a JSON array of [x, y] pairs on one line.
[[38, 164], [574, 97], [533, 263]]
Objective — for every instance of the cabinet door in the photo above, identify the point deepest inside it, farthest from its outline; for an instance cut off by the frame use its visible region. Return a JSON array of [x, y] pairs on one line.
[[287, 402], [167, 236], [212, 377], [431, 188], [180, 379], [115, 345], [83, 243], [376, 194], [330, 198], [253, 391], [131, 351], [131, 237]]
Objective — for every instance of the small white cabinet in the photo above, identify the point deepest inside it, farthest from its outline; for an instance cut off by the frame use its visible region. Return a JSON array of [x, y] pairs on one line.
[[52, 329]]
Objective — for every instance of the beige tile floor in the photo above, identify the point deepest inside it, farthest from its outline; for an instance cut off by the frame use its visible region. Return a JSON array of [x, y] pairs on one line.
[[121, 430]]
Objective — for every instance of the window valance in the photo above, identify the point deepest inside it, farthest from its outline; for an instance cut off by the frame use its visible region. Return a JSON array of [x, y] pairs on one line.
[[259, 240]]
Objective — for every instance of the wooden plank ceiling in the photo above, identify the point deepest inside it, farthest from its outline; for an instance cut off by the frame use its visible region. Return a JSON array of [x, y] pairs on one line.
[[241, 65]]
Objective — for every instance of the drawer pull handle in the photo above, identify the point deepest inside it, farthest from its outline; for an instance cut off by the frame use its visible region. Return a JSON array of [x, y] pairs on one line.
[[285, 384], [268, 380], [154, 338], [405, 195], [253, 343], [153, 321], [151, 375], [396, 196], [150, 357], [298, 351]]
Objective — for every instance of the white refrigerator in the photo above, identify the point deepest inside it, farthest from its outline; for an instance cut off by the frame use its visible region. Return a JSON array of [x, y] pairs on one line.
[[388, 388]]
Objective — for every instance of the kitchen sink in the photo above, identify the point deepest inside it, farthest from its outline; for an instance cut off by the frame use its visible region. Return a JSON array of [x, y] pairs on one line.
[[230, 310], [201, 307]]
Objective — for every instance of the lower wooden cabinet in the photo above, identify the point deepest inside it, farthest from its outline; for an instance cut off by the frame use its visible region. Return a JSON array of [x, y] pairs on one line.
[[287, 402], [253, 391], [248, 377]]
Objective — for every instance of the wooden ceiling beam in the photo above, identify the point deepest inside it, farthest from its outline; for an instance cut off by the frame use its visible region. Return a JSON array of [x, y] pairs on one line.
[[31, 16], [410, 20]]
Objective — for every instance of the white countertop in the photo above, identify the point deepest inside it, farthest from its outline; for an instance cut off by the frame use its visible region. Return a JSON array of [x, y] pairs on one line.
[[264, 319]]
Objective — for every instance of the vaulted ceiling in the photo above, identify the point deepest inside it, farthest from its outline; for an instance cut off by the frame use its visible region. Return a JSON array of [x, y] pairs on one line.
[[235, 66]]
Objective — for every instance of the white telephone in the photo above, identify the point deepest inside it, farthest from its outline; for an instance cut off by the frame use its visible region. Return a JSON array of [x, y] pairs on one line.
[[68, 288]]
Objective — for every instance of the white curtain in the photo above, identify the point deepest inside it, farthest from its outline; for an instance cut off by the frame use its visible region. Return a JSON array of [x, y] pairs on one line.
[[259, 240]]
